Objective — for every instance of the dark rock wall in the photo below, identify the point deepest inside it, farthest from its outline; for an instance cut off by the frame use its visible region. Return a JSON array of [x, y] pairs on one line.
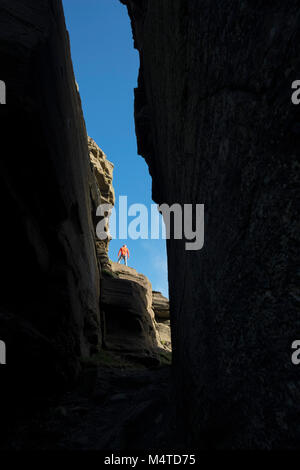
[[50, 285], [216, 125]]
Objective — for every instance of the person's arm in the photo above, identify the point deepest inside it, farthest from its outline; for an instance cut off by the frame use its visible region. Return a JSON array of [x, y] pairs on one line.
[[128, 253], [119, 252]]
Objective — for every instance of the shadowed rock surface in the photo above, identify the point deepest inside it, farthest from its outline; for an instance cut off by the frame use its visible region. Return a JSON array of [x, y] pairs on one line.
[[50, 284], [216, 126], [112, 409], [164, 332], [126, 302], [160, 305], [103, 170], [50, 318], [215, 123]]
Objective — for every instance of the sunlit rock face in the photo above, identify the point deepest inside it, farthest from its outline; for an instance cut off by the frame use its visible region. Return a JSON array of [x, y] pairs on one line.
[[50, 278], [215, 123], [160, 306], [103, 170]]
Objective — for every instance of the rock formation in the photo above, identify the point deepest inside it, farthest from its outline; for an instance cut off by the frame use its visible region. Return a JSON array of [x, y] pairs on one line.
[[215, 123], [126, 296], [126, 303], [160, 305], [49, 312], [53, 178], [103, 170]]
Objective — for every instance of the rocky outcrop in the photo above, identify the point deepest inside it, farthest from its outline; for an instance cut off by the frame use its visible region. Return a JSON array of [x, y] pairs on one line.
[[50, 284], [164, 332], [160, 305], [161, 308], [126, 302], [215, 123], [103, 170]]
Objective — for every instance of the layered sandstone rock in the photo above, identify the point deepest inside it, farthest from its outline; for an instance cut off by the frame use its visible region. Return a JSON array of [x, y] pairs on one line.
[[215, 123], [103, 170], [126, 296], [50, 283], [52, 180], [126, 302], [160, 305], [164, 332]]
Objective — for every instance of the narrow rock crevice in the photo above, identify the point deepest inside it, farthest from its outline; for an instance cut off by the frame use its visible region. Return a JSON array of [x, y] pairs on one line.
[[88, 342]]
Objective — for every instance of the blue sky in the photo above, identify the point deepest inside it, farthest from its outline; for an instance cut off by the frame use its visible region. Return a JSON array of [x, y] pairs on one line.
[[106, 68]]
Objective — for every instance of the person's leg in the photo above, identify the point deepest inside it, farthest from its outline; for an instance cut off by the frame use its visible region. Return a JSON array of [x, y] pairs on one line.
[[119, 260], [126, 260]]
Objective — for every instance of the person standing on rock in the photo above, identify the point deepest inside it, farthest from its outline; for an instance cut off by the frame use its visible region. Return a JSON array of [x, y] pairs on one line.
[[123, 254]]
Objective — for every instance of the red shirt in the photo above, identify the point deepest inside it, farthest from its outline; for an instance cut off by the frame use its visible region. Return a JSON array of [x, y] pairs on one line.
[[124, 251]]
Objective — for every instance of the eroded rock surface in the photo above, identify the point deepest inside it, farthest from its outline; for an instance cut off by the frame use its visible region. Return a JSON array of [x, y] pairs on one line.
[[126, 302], [215, 123], [164, 331], [103, 170], [50, 279], [52, 180], [110, 410], [161, 308], [160, 305]]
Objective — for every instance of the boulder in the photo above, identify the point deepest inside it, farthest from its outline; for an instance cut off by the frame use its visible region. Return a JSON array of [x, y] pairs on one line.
[[126, 302], [160, 305]]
